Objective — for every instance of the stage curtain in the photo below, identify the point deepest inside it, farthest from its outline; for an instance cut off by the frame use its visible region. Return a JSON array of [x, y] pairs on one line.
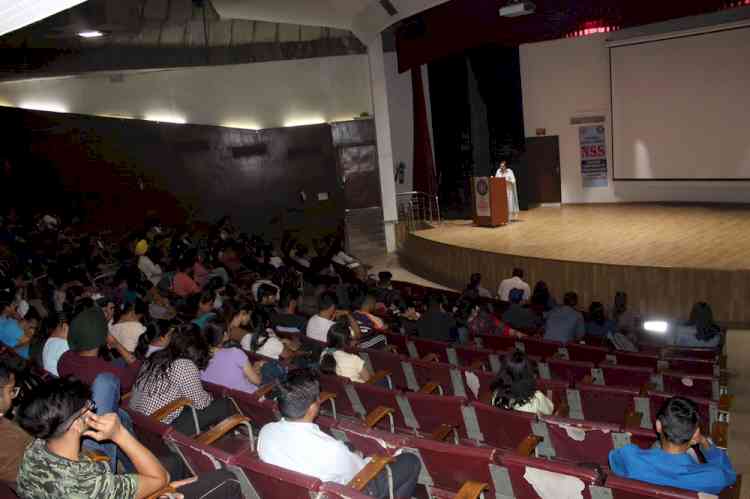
[[423, 170]]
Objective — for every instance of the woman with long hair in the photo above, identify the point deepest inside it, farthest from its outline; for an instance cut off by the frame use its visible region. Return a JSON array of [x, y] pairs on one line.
[[335, 360], [174, 373], [229, 365], [157, 336], [700, 330], [128, 326], [515, 387]]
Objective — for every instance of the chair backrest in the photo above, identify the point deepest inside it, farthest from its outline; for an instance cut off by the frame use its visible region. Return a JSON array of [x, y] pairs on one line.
[[638, 359], [450, 378], [555, 389], [711, 354], [217, 391], [568, 370], [466, 356], [605, 404], [579, 441], [427, 347], [150, 432], [690, 385], [261, 412], [398, 341], [432, 411], [586, 353], [701, 367], [446, 466], [199, 458], [267, 481], [381, 360], [330, 490], [540, 348], [370, 441], [498, 427], [623, 488], [337, 385], [371, 397], [630, 376], [533, 477], [496, 342]]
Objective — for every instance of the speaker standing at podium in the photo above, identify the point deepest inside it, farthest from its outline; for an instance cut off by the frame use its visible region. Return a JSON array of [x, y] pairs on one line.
[[510, 179]]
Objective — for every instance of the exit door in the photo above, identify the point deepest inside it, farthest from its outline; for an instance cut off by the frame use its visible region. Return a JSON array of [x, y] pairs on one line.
[[543, 166]]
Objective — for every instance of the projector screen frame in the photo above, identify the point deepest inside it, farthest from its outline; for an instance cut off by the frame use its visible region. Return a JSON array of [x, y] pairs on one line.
[[647, 40]]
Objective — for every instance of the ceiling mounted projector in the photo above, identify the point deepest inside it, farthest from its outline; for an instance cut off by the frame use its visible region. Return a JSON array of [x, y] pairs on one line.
[[517, 9]]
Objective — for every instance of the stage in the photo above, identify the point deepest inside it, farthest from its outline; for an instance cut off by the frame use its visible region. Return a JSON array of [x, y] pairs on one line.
[[665, 256]]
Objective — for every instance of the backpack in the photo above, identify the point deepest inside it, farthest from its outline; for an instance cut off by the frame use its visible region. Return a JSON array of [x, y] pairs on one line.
[[515, 295]]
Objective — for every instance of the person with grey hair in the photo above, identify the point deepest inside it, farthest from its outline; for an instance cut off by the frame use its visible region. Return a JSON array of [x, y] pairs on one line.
[[297, 444]]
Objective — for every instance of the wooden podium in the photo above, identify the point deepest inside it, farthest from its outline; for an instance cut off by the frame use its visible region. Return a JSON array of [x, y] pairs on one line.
[[490, 201]]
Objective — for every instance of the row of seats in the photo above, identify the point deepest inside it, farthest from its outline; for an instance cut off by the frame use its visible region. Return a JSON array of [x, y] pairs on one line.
[[466, 468], [574, 363]]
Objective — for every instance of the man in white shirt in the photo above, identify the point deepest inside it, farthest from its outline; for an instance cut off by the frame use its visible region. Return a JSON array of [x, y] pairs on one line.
[[320, 323], [297, 444], [515, 282]]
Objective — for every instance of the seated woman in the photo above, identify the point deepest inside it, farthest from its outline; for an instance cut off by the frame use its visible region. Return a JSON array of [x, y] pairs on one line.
[[174, 373], [597, 324], [336, 361], [515, 388], [128, 327], [264, 341], [229, 365], [157, 337], [203, 307], [237, 317], [541, 298], [700, 330]]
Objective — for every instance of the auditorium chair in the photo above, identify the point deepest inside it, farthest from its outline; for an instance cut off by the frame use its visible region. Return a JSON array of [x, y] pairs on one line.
[[570, 371], [471, 357], [555, 390], [512, 476], [261, 410], [607, 404], [383, 360], [636, 359], [497, 427], [583, 353], [496, 342], [537, 347], [419, 348], [623, 375], [623, 488], [449, 379], [688, 385], [201, 454], [579, 442], [712, 354], [150, 432], [701, 367]]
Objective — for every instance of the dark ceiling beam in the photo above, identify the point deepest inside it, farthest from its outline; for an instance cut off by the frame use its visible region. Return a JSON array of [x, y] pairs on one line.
[[459, 25], [33, 63]]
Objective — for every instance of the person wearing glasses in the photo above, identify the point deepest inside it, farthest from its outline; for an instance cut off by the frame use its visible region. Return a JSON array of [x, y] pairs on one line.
[[58, 416], [14, 439]]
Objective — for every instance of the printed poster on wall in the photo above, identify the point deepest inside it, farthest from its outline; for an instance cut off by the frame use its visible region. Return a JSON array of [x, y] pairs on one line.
[[482, 196], [593, 156]]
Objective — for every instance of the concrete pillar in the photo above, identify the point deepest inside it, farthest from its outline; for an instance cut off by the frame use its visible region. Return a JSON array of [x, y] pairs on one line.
[[383, 134]]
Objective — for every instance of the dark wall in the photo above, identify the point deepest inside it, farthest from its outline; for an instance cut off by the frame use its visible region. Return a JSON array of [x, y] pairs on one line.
[[112, 172]]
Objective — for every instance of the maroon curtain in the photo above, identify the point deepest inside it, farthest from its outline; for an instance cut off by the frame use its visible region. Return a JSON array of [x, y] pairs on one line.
[[423, 171]]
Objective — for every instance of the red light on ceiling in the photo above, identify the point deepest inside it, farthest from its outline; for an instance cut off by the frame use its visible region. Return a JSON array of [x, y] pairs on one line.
[[594, 27]]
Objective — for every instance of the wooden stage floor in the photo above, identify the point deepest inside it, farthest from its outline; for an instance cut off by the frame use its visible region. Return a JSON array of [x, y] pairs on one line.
[[665, 256], [646, 235]]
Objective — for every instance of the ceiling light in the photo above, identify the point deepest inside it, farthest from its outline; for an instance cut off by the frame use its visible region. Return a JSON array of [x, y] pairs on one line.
[[15, 14], [311, 120], [656, 326], [90, 34], [53, 107], [166, 118]]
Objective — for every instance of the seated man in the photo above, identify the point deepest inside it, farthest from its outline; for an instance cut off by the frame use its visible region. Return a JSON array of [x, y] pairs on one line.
[[519, 317], [285, 319], [58, 416], [14, 439], [319, 324], [565, 323], [297, 444], [672, 465], [436, 323]]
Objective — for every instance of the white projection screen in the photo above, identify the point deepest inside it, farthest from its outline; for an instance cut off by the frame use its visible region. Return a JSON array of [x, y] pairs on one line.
[[681, 108]]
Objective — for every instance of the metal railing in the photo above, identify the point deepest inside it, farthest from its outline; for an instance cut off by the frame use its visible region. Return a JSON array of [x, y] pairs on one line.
[[417, 208]]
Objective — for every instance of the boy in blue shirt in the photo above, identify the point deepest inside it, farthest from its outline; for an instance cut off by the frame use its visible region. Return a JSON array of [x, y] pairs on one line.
[[672, 465]]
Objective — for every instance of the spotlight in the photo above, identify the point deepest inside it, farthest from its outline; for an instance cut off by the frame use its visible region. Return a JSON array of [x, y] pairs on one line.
[[90, 34], [656, 326]]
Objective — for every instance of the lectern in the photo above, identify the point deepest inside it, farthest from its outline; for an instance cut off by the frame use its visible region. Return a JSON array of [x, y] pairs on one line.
[[490, 201]]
